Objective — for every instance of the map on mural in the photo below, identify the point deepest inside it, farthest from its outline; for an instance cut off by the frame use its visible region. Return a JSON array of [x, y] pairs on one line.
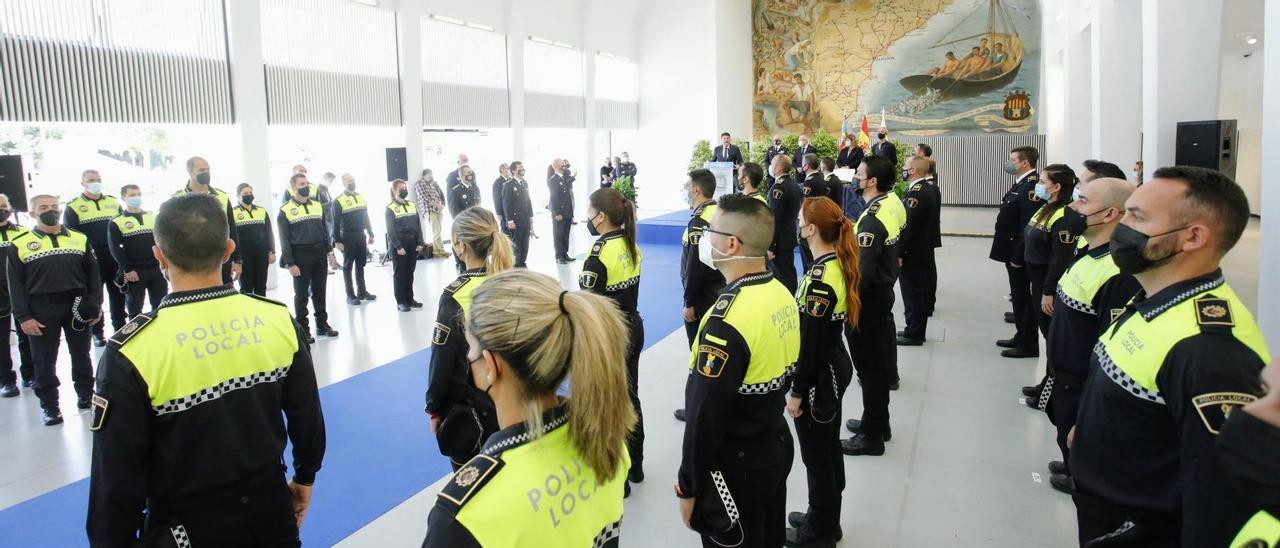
[[932, 66]]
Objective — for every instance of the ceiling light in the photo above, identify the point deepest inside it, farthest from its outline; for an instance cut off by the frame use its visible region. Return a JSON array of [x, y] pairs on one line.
[[373, 3], [444, 19], [1251, 40], [479, 26], [541, 40], [563, 45]]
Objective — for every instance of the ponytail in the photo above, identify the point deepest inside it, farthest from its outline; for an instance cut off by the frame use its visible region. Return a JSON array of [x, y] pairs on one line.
[[478, 228], [838, 231], [546, 334], [500, 256], [621, 212]]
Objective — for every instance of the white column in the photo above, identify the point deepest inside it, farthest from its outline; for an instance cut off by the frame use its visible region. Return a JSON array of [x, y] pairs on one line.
[[516, 35], [409, 46], [249, 96], [1269, 262], [1079, 96], [1181, 48], [1117, 81], [733, 69], [588, 176]]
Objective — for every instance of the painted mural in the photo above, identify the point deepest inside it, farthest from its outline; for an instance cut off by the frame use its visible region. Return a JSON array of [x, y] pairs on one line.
[[931, 66]]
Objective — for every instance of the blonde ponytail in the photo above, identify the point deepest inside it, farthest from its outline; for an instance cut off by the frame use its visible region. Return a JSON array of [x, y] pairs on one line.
[[478, 228], [547, 334], [500, 255]]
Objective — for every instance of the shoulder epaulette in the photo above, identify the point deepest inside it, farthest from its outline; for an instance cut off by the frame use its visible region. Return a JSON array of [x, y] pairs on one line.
[[916, 187], [468, 480], [817, 271], [265, 299], [132, 328], [595, 249], [722, 305], [874, 208], [457, 284], [1214, 314]]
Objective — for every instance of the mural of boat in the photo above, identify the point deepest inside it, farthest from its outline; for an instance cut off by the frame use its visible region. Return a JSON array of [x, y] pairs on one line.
[[1000, 30]]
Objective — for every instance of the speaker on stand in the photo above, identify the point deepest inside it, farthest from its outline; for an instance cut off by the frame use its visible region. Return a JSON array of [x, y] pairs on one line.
[[397, 164], [13, 182]]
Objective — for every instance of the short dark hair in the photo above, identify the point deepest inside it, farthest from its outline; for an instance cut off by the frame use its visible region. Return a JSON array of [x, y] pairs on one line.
[[514, 163], [294, 178], [1214, 195], [754, 172], [1103, 169], [828, 164], [811, 160], [928, 150], [758, 232], [191, 230], [129, 187], [725, 134], [704, 181], [880, 169], [1028, 153], [240, 188]]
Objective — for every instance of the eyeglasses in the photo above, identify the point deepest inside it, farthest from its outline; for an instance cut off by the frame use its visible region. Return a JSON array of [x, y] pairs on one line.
[[725, 234]]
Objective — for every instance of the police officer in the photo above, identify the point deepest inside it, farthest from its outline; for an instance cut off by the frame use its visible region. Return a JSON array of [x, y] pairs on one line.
[[504, 175], [352, 235], [1090, 293], [777, 149], [462, 417], [257, 242], [10, 230], [90, 213], [554, 475], [784, 201], [560, 188], [1016, 209], [612, 269], [751, 182], [835, 187], [404, 242], [317, 193], [814, 186], [518, 208], [915, 251], [464, 193], [1249, 449], [827, 299], [199, 182], [1049, 248], [193, 404], [1183, 356], [875, 356], [130, 237], [304, 246], [55, 291], [737, 446], [702, 283]]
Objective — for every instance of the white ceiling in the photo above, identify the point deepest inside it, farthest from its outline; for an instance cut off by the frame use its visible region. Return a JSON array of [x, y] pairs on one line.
[[1242, 17]]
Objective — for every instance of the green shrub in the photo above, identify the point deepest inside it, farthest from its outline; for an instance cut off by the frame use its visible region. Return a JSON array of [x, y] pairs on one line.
[[701, 154], [626, 185]]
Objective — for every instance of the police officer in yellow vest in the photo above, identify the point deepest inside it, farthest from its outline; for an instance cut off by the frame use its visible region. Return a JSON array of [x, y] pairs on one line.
[[873, 343], [10, 230], [90, 213], [612, 269], [131, 240], [55, 290], [737, 446], [1249, 449], [404, 242], [750, 181], [200, 182], [461, 416], [701, 282], [257, 241], [1049, 248], [304, 250], [554, 474], [193, 403], [352, 235], [1090, 294], [1182, 357]]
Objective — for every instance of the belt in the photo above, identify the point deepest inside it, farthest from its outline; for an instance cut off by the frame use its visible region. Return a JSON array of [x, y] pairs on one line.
[[309, 247], [59, 297]]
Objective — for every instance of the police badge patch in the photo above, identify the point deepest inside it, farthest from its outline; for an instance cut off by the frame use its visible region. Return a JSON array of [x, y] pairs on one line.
[[866, 239], [99, 412], [711, 360], [1032, 194], [1214, 408], [816, 306], [469, 479], [695, 236], [722, 305], [84, 209], [457, 284], [912, 202], [588, 279], [293, 211], [441, 334], [1066, 237], [595, 249], [128, 225], [1116, 313], [806, 191], [33, 246], [1214, 311], [777, 193]]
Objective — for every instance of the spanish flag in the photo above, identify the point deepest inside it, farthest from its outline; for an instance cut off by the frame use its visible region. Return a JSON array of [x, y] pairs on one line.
[[864, 135]]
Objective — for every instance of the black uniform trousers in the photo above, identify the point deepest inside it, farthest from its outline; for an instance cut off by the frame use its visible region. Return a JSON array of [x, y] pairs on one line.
[[760, 493], [819, 440], [1036, 273], [914, 283], [312, 282], [7, 375], [873, 347], [402, 269], [635, 441], [253, 271], [521, 242], [1020, 297], [255, 512], [699, 310], [54, 311], [931, 298], [783, 266], [355, 254], [1129, 527], [151, 286], [1063, 405], [108, 269], [560, 235]]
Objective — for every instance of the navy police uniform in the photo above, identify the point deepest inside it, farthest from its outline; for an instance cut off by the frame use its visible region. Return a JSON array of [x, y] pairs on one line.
[[304, 243], [560, 188], [8, 232], [351, 227], [92, 217], [463, 194], [131, 239], [784, 201], [873, 342], [1016, 208], [916, 251], [518, 208], [702, 284], [466, 413], [257, 243], [404, 232]]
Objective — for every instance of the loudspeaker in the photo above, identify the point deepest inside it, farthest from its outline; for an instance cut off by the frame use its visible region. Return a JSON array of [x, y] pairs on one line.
[[13, 183], [1208, 143], [397, 164]]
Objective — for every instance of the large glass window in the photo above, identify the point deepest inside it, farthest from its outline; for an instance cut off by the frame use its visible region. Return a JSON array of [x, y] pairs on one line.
[[552, 69], [187, 27], [617, 79], [456, 54], [329, 35]]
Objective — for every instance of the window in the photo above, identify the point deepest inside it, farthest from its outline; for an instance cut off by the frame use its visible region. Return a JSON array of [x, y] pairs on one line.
[[329, 35], [617, 79], [456, 54], [552, 69]]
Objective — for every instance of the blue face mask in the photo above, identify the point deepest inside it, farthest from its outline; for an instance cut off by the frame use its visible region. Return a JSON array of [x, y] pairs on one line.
[[688, 200], [93, 188], [1075, 194], [1042, 192], [1010, 168], [134, 202]]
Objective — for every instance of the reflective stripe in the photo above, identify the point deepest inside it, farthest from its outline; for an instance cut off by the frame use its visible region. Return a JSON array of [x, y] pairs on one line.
[[1079, 285], [218, 390], [90, 211], [33, 246]]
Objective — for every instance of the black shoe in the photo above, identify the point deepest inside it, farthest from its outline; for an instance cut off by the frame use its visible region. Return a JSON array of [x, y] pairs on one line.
[[82, 403], [571, 259], [902, 332], [52, 417], [403, 307], [1032, 391], [636, 474], [855, 426], [1063, 483], [353, 301], [862, 444], [626, 489], [1058, 467], [903, 341], [1009, 318], [895, 384], [679, 414], [367, 296], [98, 341], [798, 519], [306, 335], [562, 261], [1020, 353], [9, 391], [326, 331], [1007, 343], [28, 384], [415, 304], [803, 538]]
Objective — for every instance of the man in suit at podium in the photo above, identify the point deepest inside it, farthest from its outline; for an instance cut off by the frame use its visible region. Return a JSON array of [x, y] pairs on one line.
[[728, 152]]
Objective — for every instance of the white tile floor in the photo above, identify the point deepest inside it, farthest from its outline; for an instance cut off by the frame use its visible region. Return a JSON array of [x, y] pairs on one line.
[[961, 470]]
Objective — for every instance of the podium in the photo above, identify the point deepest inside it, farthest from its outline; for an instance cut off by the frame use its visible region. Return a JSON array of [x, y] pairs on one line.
[[724, 177]]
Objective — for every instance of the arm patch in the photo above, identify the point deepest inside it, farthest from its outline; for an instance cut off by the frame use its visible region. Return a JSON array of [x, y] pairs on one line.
[[1066, 237], [816, 306], [866, 239], [711, 360], [1214, 408], [100, 405], [912, 202], [441, 334], [588, 279], [468, 480], [457, 284]]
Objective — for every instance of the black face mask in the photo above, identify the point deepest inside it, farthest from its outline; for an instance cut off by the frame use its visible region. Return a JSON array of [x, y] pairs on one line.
[[49, 218], [247, 199], [304, 191], [738, 186], [4, 215], [404, 193], [1247, 447], [351, 188], [591, 226], [1128, 249], [881, 136], [1078, 222], [203, 178]]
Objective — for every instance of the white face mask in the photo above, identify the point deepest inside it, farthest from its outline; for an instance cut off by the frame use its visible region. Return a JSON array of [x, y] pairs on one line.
[[706, 253]]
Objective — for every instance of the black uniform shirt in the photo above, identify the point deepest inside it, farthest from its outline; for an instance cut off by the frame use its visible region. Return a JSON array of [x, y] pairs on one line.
[[814, 185], [701, 283], [449, 381], [1049, 243], [8, 232], [824, 369], [921, 232], [784, 200], [301, 226], [516, 204], [497, 198], [835, 189], [404, 230], [255, 229], [1016, 209], [133, 250], [350, 218], [877, 245], [461, 196], [622, 284], [560, 188], [1076, 323], [52, 264], [91, 217]]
